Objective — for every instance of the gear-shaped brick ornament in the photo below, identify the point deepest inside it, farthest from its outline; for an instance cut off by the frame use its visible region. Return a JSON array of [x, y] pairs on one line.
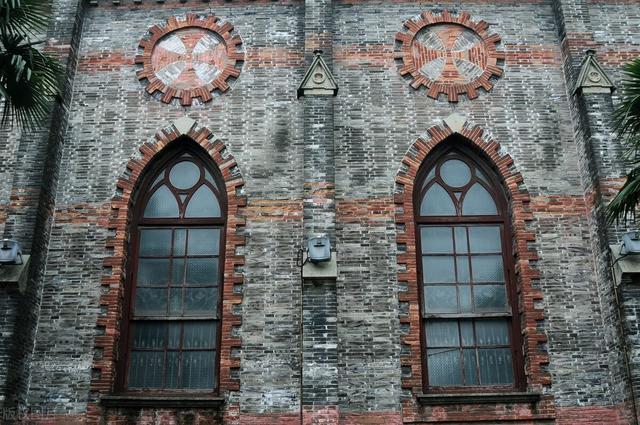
[[449, 54], [189, 58]]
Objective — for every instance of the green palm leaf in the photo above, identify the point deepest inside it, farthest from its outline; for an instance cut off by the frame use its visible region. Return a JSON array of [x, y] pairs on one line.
[[626, 121], [29, 79]]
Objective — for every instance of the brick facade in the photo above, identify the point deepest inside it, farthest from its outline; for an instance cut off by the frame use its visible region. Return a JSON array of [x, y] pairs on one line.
[[342, 351]]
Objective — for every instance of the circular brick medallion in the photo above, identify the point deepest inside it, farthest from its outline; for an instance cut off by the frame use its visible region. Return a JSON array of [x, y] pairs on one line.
[[449, 54], [189, 58]]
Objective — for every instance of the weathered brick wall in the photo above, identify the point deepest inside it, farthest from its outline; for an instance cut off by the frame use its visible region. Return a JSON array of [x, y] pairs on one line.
[[560, 145]]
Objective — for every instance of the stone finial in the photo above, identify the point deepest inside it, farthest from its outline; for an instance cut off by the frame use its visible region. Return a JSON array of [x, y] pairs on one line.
[[592, 78], [318, 80]]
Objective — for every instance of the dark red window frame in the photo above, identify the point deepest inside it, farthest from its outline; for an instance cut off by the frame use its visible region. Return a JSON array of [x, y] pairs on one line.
[[459, 149], [169, 157]]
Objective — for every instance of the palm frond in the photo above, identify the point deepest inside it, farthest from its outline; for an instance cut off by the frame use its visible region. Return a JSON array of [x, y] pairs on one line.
[[24, 17], [626, 123], [30, 82]]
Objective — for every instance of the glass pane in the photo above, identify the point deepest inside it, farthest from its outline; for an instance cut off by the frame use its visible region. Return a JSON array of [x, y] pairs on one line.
[[178, 272], [148, 335], [465, 299], [470, 367], [437, 202], [495, 366], [184, 175], [155, 242], [477, 201], [151, 301], [455, 173], [197, 369], [436, 240], [490, 297], [485, 239], [174, 335], [462, 263], [199, 335], [202, 271], [461, 240], [444, 366], [145, 369], [152, 272], [442, 333], [487, 268], [175, 301], [203, 203], [208, 177], [438, 269], [200, 300], [179, 241], [162, 204], [440, 299], [173, 370], [204, 241], [492, 332], [466, 333]]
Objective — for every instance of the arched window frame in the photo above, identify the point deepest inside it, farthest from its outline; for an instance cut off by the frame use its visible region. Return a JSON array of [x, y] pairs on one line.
[[165, 160], [496, 189]]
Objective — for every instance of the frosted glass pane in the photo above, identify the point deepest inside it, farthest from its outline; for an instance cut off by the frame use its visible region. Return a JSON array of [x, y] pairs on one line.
[[465, 299], [151, 301], [148, 335], [455, 173], [477, 201], [200, 300], [485, 239], [495, 366], [490, 297], [155, 242], [173, 370], [444, 366], [197, 369], [429, 177], [441, 299], [461, 240], [436, 240], [145, 369], [204, 241], [203, 203], [208, 177], [492, 332], [178, 272], [152, 272], [184, 175], [442, 333], [487, 268], [470, 367], [202, 271], [199, 335], [179, 241], [174, 335], [462, 264], [161, 204], [466, 333], [175, 301], [437, 202], [438, 269]]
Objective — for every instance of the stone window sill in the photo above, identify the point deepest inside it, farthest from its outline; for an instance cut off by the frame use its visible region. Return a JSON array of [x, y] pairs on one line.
[[478, 398], [170, 401]]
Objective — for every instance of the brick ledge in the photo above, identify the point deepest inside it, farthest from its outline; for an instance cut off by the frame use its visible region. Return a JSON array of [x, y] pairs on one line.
[[135, 400], [478, 398]]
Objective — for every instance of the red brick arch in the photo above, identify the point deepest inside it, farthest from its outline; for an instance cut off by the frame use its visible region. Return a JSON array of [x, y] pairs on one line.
[[535, 356], [113, 281]]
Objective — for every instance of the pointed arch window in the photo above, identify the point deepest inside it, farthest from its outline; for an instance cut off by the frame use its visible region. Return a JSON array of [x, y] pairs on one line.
[[470, 329], [175, 277]]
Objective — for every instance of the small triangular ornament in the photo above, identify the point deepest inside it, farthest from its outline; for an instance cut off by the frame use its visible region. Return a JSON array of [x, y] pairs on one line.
[[592, 78], [318, 81]]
